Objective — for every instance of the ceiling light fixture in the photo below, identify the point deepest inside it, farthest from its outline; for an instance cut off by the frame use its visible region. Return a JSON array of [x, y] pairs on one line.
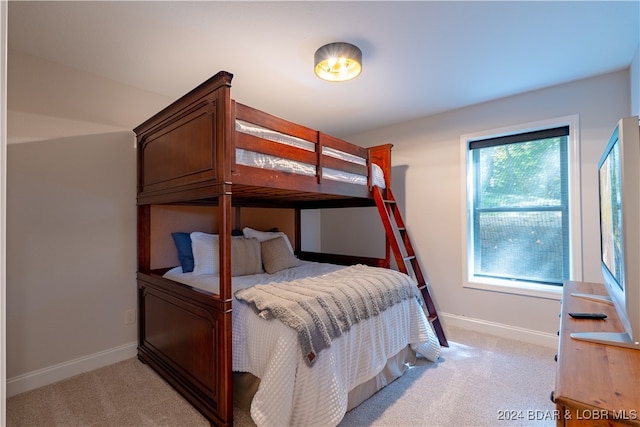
[[338, 62]]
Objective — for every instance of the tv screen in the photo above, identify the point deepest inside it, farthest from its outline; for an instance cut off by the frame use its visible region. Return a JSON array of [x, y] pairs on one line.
[[611, 214]]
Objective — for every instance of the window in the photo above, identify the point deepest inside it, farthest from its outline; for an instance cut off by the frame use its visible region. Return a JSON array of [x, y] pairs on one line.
[[519, 219]]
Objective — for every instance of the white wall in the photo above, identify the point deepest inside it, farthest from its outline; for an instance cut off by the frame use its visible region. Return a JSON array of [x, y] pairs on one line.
[[93, 105], [65, 310], [427, 182], [635, 83], [71, 260]]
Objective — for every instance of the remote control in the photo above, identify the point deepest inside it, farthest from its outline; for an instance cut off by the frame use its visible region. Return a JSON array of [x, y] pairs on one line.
[[588, 315]]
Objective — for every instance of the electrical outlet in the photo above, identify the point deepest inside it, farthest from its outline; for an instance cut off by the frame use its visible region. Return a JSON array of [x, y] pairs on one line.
[[129, 317]]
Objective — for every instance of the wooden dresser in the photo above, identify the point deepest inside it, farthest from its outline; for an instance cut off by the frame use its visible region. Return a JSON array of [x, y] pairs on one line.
[[596, 384]]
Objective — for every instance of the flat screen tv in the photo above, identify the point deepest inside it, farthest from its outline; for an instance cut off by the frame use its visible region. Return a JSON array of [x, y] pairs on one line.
[[619, 193]]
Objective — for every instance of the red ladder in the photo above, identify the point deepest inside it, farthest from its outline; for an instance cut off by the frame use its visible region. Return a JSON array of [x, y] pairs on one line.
[[405, 256]]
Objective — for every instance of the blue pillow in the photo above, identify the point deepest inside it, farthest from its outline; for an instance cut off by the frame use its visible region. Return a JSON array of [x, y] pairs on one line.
[[185, 254]]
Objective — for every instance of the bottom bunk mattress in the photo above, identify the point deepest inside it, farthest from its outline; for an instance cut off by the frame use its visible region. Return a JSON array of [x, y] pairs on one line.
[[294, 390]]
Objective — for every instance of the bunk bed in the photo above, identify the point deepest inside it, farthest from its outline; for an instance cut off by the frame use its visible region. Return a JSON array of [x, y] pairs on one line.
[[208, 154]]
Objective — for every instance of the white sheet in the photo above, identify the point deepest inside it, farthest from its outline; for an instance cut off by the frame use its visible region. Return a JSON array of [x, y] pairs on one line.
[[265, 161], [292, 393]]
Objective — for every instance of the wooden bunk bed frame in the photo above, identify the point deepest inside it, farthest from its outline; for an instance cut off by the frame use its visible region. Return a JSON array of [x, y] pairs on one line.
[[186, 156]]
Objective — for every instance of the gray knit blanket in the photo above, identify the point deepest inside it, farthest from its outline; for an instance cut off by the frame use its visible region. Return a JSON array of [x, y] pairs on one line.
[[322, 308]]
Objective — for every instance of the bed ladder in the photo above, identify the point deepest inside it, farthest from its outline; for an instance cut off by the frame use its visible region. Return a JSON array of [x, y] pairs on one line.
[[405, 256]]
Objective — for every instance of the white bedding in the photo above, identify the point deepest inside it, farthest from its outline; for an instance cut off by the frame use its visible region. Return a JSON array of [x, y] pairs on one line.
[[265, 161], [291, 392]]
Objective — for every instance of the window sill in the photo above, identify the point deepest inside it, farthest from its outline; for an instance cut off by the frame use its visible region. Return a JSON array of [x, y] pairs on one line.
[[516, 288]]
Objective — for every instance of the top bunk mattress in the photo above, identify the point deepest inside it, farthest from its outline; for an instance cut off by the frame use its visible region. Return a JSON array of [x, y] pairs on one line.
[[266, 161]]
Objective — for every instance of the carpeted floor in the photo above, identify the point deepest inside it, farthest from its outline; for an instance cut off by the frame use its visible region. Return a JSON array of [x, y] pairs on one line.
[[480, 380]]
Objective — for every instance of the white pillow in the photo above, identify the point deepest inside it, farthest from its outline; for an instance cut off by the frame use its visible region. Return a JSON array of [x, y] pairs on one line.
[[266, 235], [206, 256]]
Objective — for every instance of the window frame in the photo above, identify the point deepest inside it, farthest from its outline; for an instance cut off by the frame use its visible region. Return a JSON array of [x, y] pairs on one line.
[[550, 291]]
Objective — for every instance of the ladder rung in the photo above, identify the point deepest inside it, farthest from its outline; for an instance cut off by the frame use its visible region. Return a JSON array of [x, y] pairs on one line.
[[432, 318], [409, 258], [390, 202]]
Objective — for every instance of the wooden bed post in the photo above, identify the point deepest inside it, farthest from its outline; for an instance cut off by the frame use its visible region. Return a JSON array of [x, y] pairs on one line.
[[298, 230], [224, 233], [381, 155], [225, 146], [144, 243], [225, 367]]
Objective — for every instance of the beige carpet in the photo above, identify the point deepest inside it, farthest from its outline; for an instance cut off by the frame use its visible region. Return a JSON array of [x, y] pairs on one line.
[[479, 381]]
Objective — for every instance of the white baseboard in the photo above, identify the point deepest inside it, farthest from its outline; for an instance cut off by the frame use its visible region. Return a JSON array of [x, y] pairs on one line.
[[500, 329], [61, 371]]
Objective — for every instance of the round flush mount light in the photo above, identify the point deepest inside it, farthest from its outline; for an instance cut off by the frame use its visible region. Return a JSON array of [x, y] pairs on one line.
[[338, 62]]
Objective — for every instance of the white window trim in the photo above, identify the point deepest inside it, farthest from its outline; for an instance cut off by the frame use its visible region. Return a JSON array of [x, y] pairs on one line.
[[575, 222]]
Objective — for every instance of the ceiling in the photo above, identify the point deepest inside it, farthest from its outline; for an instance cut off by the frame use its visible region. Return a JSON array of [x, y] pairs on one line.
[[419, 58]]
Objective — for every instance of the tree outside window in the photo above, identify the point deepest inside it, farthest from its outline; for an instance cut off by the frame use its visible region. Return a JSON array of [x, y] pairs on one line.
[[520, 217]]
